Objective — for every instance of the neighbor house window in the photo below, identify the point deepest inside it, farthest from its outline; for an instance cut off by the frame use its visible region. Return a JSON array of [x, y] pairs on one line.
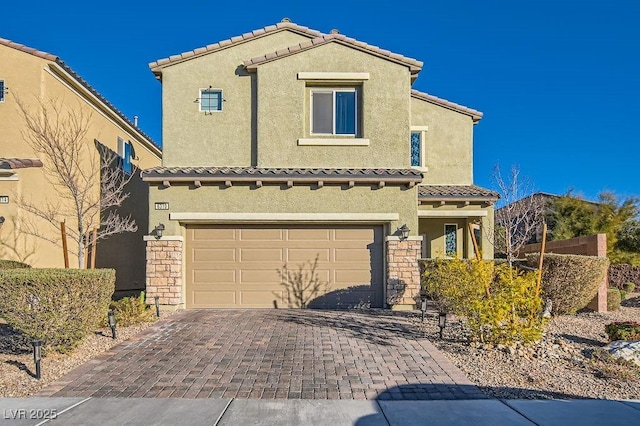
[[334, 111], [417, 142], [125, 152], [210, 100], [450, 239], [1, 90]]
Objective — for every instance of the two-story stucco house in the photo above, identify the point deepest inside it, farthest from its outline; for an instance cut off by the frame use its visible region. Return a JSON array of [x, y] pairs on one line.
[[36, 78], [285, 145]]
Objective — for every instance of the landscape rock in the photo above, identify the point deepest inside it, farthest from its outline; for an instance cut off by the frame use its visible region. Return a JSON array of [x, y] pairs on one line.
[[628, 350]]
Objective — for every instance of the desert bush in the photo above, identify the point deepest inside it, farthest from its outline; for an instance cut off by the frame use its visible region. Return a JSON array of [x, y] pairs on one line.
[[570, 281], [626, 330], [621, 274], [629, 287], [500, 304], [614, 299], [606, 366], [57, 306], [131, 310], [12, 264]]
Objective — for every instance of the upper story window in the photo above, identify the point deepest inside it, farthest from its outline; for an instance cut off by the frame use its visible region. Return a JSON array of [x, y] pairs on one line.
[[418, 151], [126, 153], [2, 90], [334, 111], [210, 100]]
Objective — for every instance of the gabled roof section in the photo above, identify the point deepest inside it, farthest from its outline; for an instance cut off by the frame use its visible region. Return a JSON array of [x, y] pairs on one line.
[[414, 65], [474, 114], [152, 145], [19, 163], [456, 193], [157, 66]]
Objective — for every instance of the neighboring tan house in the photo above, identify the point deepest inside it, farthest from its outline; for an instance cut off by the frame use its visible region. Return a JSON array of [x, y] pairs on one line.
[[285, 145], [34, 78]]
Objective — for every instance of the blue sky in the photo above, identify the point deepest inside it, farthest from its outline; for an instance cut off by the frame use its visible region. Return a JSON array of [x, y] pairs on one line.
[[557, 80]]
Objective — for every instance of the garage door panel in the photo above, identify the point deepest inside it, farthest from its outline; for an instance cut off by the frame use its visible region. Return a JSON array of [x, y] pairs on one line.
[[243, 268], [213, 254], [205, 276], [261, 234], [308, 255], [309, 234], [260, 254], [213, 234]]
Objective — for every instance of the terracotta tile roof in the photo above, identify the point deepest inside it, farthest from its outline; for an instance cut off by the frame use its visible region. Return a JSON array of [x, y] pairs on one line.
[[413, 64], [157, 66], [456, 192], [475, 115], [81, 81], [19, 163], [220, 174]]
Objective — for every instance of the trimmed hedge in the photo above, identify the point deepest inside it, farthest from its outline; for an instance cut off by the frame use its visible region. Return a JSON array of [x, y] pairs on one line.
[[570, 281], [12, 264], [58, 306], [131, 310], [614, 299]]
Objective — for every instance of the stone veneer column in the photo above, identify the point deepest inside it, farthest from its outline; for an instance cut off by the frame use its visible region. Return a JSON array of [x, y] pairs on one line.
[[164, 270], [403, 272]]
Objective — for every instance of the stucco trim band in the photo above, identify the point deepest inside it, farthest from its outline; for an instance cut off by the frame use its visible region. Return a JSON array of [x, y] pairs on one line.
[[359, 76], [452, 213], [195, 217], [409, 238], [333, 142]]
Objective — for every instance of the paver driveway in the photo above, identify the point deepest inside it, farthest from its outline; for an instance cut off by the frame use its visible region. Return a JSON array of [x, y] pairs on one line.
[[289, 354]]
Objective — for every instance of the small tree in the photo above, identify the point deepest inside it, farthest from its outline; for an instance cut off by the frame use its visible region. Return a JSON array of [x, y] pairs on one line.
[[518, 215], [85, 174]]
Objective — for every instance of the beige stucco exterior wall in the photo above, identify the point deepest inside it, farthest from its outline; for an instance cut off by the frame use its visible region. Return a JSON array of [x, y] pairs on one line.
[[283, 110], [449, 143], [280, 199], [191, 138], [35, 80]]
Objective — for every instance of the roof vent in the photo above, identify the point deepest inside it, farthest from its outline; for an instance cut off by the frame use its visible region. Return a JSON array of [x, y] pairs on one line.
[[285, 19], [335, 31]]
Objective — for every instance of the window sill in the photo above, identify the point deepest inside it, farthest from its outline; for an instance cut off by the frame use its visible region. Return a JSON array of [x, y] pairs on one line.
[[421, 169], [333, 142]]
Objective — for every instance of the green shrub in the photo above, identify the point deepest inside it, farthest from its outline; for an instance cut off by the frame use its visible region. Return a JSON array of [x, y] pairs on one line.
[[629, 287], [570, 281], [625, 330], [500, 304], [12, 264], [614, 299], [131, 310], [623, 295], [58, 306]]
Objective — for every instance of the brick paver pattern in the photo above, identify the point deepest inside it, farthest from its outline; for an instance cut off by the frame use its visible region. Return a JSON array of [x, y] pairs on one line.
[[273, 354]]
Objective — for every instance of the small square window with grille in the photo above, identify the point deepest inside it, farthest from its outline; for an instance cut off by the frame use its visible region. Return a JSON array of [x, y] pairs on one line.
[[210, 100], [2, 90]]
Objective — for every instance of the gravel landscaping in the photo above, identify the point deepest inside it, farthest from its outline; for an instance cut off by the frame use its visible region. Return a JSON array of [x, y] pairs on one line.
[[560, 366], [17, 369]]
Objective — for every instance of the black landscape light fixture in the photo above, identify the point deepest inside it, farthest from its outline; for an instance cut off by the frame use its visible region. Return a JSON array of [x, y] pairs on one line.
[[403, 232], [157, 300], [159, 230], [37, 356], [442, 322], [112, 323], [423, 307]]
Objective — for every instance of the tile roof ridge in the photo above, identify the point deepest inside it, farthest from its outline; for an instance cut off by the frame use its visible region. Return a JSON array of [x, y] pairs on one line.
[[415, 65], [475, 114], [27, 49], [160, 63]]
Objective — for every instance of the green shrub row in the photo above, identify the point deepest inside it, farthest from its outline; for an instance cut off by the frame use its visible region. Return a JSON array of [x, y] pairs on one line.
[[12, 264], [131, 310], [58, 306], [627, 330], [570, 281], [500, 304]]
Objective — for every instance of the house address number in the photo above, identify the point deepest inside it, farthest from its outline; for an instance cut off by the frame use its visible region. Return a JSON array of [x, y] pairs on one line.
[[4, 199]]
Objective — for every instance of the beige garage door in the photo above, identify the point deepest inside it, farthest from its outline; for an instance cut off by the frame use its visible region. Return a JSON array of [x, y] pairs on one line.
[[242, 267]]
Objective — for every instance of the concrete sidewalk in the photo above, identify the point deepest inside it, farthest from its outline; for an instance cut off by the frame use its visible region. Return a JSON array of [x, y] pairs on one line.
[[143, 411]]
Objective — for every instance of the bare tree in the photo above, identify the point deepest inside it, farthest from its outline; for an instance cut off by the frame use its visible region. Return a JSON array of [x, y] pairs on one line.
[[85, 174], [518, 215]]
